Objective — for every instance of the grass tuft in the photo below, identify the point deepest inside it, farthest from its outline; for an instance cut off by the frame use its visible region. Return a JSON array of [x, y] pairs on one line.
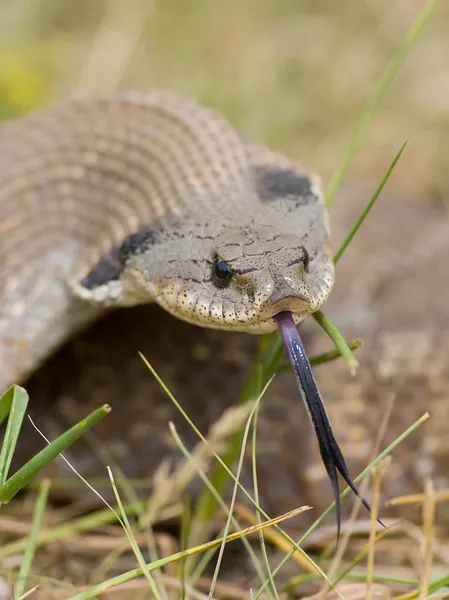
[[25, 474]]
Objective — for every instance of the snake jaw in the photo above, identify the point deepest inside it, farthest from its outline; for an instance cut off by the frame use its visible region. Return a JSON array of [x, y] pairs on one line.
[[206, 310]]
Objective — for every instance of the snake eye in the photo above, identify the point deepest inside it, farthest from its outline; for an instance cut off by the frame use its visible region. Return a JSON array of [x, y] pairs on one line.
[[221, 273], [305, 260]]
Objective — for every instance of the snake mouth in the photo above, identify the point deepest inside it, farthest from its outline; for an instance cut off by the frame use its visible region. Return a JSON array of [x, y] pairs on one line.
[[331, 454]]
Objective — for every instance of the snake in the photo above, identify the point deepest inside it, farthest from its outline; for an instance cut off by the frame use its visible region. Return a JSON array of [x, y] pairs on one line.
[[147, 197]]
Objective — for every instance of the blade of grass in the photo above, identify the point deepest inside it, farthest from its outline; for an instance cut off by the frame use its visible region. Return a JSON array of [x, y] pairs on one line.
[[127, 490], [382, 85], [20, 479], [338, 339], [30, 550], [289, 589], [258, 515], [234, 495], [5, 403], [186, 520], [124, 577], [348, 239], [29, 593], [275, 537], [428, 527], [377, 474], [325, 357], [124, 522], [16, 398]]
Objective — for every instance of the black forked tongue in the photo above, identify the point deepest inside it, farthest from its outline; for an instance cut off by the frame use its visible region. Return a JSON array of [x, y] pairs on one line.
[[329, 449]]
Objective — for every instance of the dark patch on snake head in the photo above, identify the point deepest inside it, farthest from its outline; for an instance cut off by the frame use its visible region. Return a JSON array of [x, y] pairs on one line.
[[273, 183], [110, 267], [137, 243]]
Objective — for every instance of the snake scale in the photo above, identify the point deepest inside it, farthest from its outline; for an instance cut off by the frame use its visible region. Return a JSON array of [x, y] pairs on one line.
[[147, 197]]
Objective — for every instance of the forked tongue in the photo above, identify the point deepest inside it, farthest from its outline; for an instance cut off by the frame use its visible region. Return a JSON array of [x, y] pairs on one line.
[[329, 449]]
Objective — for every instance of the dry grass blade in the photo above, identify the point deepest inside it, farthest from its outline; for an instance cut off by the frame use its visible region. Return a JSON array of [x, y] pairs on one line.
[[353, 591], [129, 575], [124, 522], [441, 496], [274, 537], [29, 593], [377, 474], [429, 533]]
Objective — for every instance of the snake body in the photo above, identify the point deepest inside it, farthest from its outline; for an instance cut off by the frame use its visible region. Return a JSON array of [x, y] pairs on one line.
[[148, 197]]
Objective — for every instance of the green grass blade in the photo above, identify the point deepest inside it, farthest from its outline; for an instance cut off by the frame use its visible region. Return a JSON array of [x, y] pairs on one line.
[[5, 403], [272, 590], [27, 561], [337, 338], [20, 479], [434, 587], [124, 522], [16, 398], [384, 81], [369, 204], [233, 498], [330, 355]]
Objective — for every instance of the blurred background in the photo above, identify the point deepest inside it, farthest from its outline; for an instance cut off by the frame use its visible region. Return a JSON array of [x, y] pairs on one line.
[[292, 73]]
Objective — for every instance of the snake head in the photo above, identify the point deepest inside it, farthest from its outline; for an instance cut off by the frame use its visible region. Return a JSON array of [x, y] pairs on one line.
[[260, 271], [212, 275]]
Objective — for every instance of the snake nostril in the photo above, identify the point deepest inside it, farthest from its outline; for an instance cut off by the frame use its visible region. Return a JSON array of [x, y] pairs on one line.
[[250, 296]]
